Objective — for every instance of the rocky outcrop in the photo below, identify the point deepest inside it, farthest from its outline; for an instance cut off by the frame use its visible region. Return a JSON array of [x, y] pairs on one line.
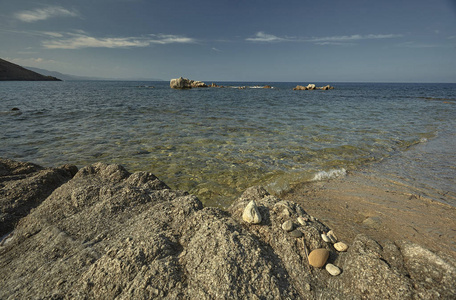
[[185, 83], [108, 233], [24, 186], [312, 86]]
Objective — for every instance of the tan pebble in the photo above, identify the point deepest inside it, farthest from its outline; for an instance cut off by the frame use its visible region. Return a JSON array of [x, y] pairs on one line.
[[341, 247], [332, 269], [318, 257], [325, 238]]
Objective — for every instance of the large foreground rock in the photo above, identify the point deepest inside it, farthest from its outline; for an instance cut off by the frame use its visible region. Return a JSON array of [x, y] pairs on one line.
[[109, 234], [24, 186]]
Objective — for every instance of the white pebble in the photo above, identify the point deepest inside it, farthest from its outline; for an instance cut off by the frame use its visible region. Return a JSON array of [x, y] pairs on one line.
[[332, 269], [325, 238], [251, 213], [287, 225], [302, 221], [341, 247]]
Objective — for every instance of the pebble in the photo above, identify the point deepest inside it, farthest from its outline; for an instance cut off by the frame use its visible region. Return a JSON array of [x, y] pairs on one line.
[[325, 238], [318, 257], [332, 236], [341, 247], [296, 233], [332, 269], [302, 221], [251, 213], [287, 225]]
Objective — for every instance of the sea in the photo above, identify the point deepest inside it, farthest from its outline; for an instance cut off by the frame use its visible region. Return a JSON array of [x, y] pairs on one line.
[[216, 142]]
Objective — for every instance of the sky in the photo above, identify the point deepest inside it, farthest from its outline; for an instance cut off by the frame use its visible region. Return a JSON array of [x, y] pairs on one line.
[[263, 41]]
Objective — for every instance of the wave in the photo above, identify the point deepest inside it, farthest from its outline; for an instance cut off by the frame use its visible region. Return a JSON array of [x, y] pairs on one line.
[[324, 175]]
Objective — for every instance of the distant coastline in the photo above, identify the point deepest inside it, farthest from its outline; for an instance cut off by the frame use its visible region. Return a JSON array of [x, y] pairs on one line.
[[13, 72]]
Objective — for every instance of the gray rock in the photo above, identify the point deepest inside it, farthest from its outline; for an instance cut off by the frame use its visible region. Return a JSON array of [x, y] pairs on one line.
[[296, 233], [23, 186], [108, 234], [287, 225]]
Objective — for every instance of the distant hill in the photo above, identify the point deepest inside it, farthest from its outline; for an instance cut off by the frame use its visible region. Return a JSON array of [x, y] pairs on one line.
[[13, 72], [74, 77]]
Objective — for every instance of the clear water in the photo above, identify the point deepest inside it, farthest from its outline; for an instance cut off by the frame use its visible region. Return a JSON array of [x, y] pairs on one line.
[[217, 142]]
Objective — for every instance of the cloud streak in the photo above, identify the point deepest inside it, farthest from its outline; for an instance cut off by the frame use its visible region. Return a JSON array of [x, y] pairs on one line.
[[263, 37], [41, 14], [82, 40], [354, 37]]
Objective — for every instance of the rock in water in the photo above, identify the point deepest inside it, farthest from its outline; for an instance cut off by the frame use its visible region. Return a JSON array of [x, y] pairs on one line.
[[318, 257], [341, 247], [251, 213], [332, 269]]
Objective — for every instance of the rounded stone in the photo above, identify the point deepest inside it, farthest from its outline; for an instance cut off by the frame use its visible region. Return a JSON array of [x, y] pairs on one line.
[[296, 233], [332, 236], [287, 225], [302, 220], [325, 238], [318, 257], [251, 213], [332, 269], [341, 247]]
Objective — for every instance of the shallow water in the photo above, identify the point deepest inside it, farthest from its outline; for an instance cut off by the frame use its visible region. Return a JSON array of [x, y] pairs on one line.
[[217, 142]]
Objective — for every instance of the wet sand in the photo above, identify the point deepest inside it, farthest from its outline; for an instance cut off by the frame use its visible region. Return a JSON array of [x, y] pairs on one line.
[[381, 208]]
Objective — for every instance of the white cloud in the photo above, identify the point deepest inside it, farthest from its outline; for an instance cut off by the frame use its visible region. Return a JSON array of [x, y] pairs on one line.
[[264, 37], [83, 40], [328, 40], [354, 37], [30, 61], [44, 14]]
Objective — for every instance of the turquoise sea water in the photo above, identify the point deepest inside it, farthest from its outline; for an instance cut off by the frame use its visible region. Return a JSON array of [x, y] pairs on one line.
[[216, 142]]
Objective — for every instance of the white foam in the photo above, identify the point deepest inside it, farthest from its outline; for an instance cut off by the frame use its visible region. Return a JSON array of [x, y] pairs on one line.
[[322, 175]]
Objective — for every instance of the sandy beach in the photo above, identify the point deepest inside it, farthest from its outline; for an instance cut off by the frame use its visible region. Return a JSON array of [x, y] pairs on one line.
[[383, 209]]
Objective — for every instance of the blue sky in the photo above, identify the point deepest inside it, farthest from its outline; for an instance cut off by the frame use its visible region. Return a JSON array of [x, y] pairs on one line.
[[302, 41]]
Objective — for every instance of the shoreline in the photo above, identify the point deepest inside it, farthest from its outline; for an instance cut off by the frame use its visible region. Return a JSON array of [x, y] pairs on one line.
[[363, 203]]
